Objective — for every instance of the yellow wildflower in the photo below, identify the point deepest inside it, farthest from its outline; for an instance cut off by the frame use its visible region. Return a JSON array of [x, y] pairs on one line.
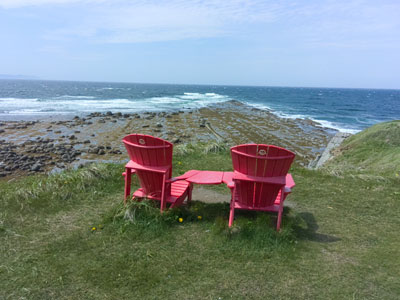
[[199, 217], [94, 228], [180, 220]]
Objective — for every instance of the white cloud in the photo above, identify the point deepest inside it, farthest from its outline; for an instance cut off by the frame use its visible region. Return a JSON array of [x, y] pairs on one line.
[[22, 3], [118, 21], [146, 21]]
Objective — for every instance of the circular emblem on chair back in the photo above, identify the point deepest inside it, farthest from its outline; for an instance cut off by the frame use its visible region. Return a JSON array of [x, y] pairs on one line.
[[262, 152], [142, 142]]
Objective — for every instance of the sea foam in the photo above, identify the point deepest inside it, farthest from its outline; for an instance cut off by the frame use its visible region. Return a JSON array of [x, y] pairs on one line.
[[85, 104], [321, 123]]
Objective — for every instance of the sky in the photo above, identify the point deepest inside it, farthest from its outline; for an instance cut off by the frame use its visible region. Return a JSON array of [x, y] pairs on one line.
[[309, 43]]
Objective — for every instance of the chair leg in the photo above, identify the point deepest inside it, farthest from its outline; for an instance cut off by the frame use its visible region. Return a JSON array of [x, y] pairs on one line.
[[189, 198], [163, 203], [127, 175], [278, 223], [232, 210], [232, 215]]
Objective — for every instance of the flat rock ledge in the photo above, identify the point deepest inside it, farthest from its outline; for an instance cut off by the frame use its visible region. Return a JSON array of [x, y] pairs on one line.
[[334, 143], [44, 146]]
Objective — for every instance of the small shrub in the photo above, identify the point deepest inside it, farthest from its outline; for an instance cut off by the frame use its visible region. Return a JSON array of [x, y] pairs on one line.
[[215, 147], [184, 149]]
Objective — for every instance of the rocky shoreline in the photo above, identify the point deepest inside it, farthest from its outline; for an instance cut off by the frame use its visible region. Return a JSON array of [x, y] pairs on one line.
[[43, 146]]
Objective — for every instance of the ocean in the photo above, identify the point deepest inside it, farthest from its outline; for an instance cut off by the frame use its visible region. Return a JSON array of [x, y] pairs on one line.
[[347, 110]]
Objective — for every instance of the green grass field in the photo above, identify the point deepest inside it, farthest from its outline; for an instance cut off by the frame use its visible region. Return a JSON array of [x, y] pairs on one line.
[[68, 236]]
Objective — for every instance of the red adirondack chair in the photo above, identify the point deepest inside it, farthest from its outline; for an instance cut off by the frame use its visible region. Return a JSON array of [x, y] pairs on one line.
[[261, 179], [151, 160]]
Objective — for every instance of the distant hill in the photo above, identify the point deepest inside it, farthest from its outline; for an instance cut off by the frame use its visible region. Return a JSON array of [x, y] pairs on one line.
[[375, 150], [9, 76]]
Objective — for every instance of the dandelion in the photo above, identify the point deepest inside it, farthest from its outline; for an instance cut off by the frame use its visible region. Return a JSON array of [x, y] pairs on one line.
[[180, 220], [179, 162], [199, 217], [94, 228]]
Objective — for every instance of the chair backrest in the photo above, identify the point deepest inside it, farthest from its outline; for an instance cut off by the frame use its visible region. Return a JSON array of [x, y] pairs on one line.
[[259, 161], [149, 151]]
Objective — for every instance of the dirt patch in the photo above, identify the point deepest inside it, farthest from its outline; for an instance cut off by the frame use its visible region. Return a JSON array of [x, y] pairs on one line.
[[208, 196]]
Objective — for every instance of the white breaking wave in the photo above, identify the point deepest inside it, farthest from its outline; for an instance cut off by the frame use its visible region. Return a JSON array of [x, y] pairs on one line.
[[187, 100], [277, 112], [67, 104], [321, 123], [329, 124], [3, 100], [68, 97], [113, 88]]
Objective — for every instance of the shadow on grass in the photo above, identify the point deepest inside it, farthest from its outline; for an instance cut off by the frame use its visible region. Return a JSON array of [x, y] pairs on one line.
[[310, 232]]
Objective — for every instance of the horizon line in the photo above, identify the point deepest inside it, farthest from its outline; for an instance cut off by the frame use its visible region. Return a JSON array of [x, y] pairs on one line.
[[196, 84]]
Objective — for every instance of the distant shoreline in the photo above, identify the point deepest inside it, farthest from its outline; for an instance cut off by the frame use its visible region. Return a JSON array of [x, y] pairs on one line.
[[48, 117], [346, 110], [42, 146]]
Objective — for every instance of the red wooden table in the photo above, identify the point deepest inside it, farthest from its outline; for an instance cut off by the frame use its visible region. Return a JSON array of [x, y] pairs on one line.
[[206, 177], [218, 177]]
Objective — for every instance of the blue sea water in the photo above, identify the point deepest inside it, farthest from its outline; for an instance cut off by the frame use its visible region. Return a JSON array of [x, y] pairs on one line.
[[348, 110]]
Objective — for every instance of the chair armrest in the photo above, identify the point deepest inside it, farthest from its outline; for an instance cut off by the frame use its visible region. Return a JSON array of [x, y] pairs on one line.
[[133, 172], [279, 180], [289, 181], [230, 184], [183, 176], [230, 176], [228, 180], [171, 180], [134, 166]]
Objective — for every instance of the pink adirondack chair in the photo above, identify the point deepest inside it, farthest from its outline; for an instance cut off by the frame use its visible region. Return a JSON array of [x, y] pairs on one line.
[[151, 160], [261, 179]]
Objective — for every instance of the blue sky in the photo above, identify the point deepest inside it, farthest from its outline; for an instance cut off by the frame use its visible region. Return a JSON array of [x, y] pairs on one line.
[[274, 43]]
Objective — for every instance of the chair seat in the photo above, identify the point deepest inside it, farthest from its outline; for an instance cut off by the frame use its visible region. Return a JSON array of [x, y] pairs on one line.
[[178, 189], [274, 207]]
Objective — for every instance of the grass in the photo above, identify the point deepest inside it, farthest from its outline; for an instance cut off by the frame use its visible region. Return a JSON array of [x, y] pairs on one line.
[[339, 239], [373, 152]]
